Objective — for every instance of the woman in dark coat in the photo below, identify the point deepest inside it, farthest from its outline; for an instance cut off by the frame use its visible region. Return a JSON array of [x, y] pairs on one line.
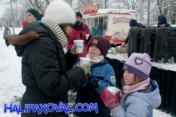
[[45, 71]]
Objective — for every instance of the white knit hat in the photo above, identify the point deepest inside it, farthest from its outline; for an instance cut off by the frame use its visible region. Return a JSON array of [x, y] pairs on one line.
[[60, 12]]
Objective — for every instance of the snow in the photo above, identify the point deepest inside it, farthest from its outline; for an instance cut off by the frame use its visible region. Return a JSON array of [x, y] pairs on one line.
[[10, 74], [11, 85], [165, 66]]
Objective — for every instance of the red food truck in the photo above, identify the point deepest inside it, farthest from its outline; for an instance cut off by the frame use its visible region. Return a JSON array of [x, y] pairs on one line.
[[110, 23]]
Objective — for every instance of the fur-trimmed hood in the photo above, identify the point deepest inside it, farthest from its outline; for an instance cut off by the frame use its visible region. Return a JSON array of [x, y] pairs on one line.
[[23, 39], [29, 34]]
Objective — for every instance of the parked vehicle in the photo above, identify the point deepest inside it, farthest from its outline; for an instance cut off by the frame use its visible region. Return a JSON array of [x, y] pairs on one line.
[[111, 23]]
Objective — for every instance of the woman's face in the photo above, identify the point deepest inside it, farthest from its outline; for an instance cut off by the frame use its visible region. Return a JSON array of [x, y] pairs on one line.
[[30, 17], [129, 78], [94, 52]]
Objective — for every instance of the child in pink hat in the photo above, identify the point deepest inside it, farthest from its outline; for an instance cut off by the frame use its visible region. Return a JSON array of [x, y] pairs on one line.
[[140, 94]]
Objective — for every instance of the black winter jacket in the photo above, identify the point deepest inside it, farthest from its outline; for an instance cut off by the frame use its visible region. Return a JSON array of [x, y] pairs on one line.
[[44, 71]]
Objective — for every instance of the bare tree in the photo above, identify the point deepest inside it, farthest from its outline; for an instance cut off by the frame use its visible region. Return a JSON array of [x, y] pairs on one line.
[[148, 13], [130, 4], [21, 6], [167, 8], [47, 2], [163, 6], [172, 12], [39, 5]]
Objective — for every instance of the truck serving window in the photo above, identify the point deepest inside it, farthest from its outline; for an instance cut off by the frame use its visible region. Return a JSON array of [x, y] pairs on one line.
[[98, 24]]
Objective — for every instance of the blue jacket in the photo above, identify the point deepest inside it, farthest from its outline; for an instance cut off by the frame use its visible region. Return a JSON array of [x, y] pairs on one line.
[[139, 104], [104, 74], [168, 25]]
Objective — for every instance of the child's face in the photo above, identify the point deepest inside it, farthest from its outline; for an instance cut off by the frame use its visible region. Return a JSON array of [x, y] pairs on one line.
[[94, 51], [129, 78]]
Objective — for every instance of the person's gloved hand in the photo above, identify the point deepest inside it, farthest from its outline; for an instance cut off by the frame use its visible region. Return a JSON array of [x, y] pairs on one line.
[[23, 39], [93, 81], [110, 97], [85, 67], [73, 49]]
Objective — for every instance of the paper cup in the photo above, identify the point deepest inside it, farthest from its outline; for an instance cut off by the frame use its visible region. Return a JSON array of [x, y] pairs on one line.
[[84, 61], [80, 45]]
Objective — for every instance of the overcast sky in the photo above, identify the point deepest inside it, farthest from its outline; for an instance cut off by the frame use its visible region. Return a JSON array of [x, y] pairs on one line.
[[3, 5]]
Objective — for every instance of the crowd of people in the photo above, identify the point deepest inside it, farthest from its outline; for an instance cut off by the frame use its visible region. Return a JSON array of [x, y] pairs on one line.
[[48, 72]]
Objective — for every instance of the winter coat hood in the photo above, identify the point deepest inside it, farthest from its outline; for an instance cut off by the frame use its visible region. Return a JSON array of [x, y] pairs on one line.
[[32, 27], [153, 97], [23, 39]]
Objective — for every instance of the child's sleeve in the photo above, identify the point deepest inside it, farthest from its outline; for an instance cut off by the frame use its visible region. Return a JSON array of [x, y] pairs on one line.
[[109, 79], [76, 64]]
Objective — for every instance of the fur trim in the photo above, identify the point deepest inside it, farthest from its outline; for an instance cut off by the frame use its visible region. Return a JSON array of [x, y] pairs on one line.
[[23, 39], [60, 12], [58, 32]]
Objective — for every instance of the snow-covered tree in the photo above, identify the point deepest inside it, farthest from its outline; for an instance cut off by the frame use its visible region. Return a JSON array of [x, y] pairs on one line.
[[157, 7], [21, 6], [167, 8]]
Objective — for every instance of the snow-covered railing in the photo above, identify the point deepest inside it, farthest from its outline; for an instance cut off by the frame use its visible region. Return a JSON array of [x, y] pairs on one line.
[[164, 66]]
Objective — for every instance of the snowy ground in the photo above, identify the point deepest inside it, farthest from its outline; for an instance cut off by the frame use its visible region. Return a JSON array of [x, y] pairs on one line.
[[11, 88], [10, 75]]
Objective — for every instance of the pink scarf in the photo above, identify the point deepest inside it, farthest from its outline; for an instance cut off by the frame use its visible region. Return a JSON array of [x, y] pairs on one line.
[[139, 86]]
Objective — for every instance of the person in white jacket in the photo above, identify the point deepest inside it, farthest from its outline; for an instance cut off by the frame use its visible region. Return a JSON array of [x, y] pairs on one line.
[[140, 94]]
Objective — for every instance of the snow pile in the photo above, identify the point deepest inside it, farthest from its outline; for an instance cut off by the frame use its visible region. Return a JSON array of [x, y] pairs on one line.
[[124, 57], [10, 74], [157, 113]]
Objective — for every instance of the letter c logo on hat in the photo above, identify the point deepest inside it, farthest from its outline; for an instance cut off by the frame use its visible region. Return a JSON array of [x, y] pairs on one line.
[[138, 61], [95, 42]]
